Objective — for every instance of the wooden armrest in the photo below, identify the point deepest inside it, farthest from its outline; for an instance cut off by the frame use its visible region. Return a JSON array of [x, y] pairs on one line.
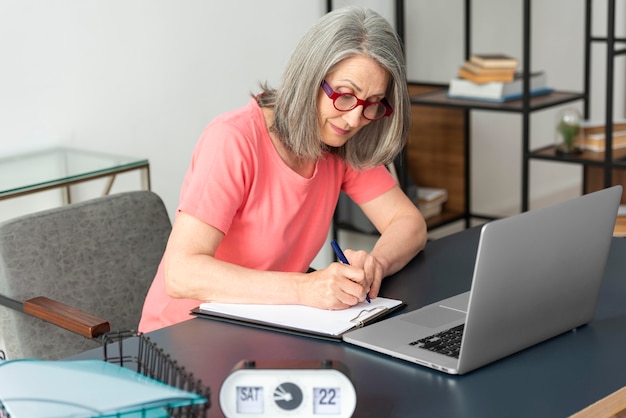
[[611, 406], [65, 316]]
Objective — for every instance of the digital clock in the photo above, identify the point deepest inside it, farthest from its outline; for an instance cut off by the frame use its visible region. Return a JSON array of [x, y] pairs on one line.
[[295, 388]]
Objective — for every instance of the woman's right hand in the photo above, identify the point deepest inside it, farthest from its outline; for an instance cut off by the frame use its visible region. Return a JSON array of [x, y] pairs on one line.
[[338, 286]]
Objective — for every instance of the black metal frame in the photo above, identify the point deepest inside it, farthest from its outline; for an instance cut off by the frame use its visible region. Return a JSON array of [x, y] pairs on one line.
[[529, 104]]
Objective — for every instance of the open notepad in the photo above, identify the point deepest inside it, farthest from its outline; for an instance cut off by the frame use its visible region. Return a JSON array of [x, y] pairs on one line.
[[300, 319]]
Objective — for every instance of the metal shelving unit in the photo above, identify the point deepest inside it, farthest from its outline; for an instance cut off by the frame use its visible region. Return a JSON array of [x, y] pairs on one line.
[[609, 160]]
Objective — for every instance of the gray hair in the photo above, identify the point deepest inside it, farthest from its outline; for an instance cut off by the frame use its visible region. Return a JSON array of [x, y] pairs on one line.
[[338, 35]]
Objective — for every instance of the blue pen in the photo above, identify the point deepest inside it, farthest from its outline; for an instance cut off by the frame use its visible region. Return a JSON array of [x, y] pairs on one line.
[[343, 259]]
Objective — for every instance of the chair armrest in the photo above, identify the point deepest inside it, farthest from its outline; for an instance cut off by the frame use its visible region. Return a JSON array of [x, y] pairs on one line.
[[67, 317]]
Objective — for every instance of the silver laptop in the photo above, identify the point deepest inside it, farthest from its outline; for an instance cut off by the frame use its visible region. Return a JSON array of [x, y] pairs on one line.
[[536, 275]]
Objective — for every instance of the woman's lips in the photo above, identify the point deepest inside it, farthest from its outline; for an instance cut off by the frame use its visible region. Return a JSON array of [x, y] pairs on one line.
[[339, 130]]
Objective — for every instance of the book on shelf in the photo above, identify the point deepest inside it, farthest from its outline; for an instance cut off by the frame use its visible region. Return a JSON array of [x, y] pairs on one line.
[[498, 91], [430, 201], [496, 60], [485, 78], [594, 134], [479, 70], [593, 127], [620, 226], [596, 142], [620, 222]]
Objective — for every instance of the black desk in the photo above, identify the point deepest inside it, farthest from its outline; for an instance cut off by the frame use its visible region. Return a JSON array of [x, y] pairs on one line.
[[554, 379]]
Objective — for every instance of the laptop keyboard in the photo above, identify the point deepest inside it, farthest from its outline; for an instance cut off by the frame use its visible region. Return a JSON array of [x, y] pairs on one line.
[[447, 342]]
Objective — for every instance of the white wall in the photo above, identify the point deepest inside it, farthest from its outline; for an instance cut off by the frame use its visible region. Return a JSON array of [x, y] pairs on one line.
[[135, 77], [143, 77]]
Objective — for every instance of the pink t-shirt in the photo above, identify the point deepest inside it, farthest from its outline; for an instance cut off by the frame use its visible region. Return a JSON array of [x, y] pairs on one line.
[[273, 219]]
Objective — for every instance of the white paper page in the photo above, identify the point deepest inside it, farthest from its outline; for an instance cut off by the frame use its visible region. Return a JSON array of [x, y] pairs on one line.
[[304, 317]]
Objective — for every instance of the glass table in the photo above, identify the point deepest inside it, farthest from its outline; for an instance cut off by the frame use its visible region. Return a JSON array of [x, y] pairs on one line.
[[62, 167]]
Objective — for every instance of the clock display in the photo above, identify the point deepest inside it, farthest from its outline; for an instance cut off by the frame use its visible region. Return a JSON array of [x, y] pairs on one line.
[[273, 388], [326, 400], [288, 396], [250, 400]]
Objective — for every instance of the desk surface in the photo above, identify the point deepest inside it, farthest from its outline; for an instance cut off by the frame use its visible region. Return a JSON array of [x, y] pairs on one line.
[[555, 378], [55, 167]]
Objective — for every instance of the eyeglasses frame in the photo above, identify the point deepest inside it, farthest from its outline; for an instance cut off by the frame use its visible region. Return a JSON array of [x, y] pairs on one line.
[[333, 95]]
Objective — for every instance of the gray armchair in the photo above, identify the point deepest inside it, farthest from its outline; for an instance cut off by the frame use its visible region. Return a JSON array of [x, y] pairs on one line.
[[69, 274]]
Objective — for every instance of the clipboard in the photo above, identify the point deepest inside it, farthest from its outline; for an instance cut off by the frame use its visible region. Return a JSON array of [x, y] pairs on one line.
[[299, 319]]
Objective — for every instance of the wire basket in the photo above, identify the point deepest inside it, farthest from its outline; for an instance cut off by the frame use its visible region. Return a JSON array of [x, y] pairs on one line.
[[3, 412], [137, 352]]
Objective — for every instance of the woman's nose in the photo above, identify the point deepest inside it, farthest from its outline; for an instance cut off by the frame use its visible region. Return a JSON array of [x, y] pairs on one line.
[[354, 117]]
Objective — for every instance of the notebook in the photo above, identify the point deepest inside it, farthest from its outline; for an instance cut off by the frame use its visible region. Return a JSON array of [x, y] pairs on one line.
[[536, 275], [299, 319]]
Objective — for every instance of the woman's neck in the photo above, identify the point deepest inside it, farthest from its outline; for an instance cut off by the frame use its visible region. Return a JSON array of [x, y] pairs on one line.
[[303, 167]]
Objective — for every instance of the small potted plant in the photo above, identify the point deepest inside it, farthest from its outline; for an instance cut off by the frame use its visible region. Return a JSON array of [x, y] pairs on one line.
[[568, 132]]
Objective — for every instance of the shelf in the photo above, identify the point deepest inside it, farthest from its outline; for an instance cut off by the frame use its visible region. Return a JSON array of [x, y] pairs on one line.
[[586, 157], [438, 151], [444, 218], [435, 154], [440, 98]]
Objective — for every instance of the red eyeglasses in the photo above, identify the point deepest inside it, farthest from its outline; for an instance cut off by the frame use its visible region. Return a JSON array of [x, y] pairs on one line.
[[345, 102]]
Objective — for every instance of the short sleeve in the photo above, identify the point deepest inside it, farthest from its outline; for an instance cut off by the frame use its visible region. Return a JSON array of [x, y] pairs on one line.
[[365, 185]]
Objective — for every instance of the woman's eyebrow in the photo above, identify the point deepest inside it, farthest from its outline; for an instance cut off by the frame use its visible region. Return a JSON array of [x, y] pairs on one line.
[[359, 89]]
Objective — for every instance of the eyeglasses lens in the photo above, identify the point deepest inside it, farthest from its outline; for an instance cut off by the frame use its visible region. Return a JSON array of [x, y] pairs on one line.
[[347, 102]]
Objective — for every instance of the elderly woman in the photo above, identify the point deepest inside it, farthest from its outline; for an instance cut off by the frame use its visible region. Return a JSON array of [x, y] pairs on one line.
[[258, 199]]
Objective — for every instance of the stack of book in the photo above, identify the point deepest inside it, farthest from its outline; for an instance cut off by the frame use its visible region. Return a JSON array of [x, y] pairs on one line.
[[594, 135], [430, 201], [482, 68], [507, 85], [620, 222]]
